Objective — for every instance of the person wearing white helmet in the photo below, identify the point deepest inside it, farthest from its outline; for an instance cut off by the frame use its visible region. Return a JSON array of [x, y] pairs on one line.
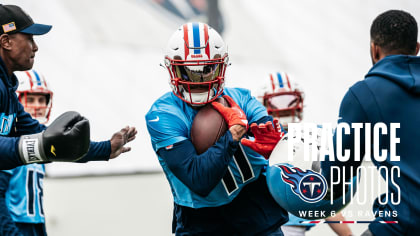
[[34, 94], [284, 100], [223, 190], [21, 188]]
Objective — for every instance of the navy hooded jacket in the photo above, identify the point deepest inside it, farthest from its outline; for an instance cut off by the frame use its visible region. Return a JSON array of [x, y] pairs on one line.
[[14, 122], [390, 93]]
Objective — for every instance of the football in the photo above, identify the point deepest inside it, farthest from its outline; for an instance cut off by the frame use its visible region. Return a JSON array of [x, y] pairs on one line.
[[208, 126]]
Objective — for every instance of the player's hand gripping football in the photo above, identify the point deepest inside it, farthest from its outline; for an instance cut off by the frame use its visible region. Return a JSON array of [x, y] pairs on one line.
[[234, 116], [120, 138], [266, 138]]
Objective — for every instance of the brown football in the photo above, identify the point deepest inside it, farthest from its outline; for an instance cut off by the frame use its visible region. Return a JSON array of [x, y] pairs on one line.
[[208, 126]]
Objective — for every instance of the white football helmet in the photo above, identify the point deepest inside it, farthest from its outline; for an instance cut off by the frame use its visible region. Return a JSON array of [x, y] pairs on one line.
[[283, 100], [31, 82], [196, 58]]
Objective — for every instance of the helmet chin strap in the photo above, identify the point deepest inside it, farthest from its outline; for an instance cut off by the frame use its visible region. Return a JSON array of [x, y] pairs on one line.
[[198, 97]]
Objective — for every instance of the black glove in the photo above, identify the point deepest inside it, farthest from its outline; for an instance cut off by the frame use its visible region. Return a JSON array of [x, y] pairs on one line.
[[67, 139]]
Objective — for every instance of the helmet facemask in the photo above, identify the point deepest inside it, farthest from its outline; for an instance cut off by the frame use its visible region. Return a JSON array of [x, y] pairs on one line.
[[38, 112], [197, 82], [287, 106]]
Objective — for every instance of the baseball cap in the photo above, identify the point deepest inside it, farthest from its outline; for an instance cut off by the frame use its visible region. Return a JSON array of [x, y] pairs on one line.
[[13, 20]]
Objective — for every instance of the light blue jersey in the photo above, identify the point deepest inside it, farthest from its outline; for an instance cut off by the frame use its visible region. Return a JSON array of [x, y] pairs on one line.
[[25, 193], [169, 121]]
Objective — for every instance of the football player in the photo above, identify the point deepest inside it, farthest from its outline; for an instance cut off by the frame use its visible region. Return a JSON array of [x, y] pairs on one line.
[[21, 189], [222, 191], [284, 101]]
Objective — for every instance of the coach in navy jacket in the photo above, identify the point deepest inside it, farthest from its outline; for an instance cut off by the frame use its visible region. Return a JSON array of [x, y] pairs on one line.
[[390, 93]]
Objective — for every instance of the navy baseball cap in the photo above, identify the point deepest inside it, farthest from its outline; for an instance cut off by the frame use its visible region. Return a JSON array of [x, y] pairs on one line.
[[14, 20]]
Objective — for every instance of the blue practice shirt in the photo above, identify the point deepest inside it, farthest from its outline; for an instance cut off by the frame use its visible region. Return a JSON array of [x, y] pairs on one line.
[[169, 122], [25, 192]]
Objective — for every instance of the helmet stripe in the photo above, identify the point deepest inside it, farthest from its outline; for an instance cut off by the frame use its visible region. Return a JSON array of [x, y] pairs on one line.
[[38, 80], [196, 37], [187, 43], [288, 82], [273, 85], [280, 80], [206, 40], [30, 79]]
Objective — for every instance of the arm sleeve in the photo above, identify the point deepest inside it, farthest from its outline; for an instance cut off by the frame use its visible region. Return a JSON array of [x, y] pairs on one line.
[[350, 112], [264, 120], [7, 226], [98, 151], [200, 173], [253, 109], [9, 154], [169, 129]]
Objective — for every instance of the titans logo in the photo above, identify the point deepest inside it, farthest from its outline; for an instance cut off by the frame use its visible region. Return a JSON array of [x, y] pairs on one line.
[[308, 185]]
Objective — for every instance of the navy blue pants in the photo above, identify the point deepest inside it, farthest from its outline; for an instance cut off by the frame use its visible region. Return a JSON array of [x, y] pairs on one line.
[[32, 229], [252, 212]]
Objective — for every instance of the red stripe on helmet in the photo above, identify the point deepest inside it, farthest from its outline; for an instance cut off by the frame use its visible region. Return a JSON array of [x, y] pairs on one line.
[[187, 43], [288, 82], [206, 40], [30, 79], [273, 86]]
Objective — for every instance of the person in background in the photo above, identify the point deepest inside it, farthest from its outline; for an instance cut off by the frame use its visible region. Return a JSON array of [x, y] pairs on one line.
[[284, 100], [21, 188]]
